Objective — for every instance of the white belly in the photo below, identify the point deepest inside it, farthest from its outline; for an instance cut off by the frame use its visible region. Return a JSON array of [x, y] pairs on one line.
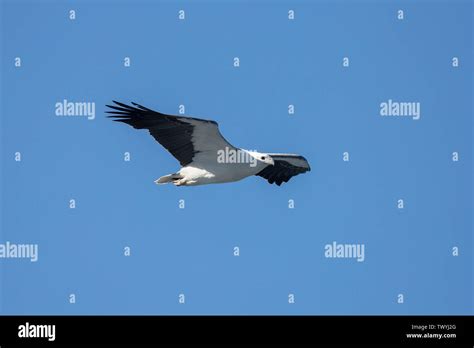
[[197, 174]]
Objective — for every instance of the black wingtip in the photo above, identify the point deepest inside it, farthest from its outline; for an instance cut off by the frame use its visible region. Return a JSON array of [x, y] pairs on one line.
[[122, 105], [142, 107]]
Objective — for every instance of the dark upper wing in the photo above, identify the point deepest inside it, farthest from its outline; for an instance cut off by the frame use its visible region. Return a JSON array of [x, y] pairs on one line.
[[183, 137], [286, 166]]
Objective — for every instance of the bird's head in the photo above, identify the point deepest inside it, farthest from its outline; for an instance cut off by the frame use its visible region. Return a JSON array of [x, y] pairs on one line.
[[267, 159], [263, 158]]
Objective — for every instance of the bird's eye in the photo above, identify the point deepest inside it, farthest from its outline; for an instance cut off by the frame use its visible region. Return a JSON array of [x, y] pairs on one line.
[[263, 157]]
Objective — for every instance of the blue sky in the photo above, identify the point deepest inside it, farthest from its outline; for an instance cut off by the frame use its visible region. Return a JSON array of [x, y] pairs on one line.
[[190, 251]]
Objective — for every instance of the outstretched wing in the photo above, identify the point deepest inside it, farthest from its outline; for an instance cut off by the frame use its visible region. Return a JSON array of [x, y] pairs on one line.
[[183, 137], [286, 166]]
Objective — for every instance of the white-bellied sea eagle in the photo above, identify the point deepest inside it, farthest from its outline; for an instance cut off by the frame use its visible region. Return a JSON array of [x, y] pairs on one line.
[[205, 156]]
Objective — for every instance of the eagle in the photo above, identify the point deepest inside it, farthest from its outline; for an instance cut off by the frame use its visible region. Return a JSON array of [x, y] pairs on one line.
[[206, 157]]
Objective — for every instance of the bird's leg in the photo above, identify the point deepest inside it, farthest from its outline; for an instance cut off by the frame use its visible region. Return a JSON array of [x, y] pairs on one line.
[[179, 182], [184, 182]]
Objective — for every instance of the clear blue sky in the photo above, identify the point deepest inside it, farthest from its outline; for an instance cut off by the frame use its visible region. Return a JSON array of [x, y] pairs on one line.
[[190, 250]]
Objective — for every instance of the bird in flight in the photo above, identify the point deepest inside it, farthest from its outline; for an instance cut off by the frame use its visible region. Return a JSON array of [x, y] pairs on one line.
[[205, 156]]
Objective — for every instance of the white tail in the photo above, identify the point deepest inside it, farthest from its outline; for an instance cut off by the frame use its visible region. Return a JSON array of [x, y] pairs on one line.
[[168, 178]]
